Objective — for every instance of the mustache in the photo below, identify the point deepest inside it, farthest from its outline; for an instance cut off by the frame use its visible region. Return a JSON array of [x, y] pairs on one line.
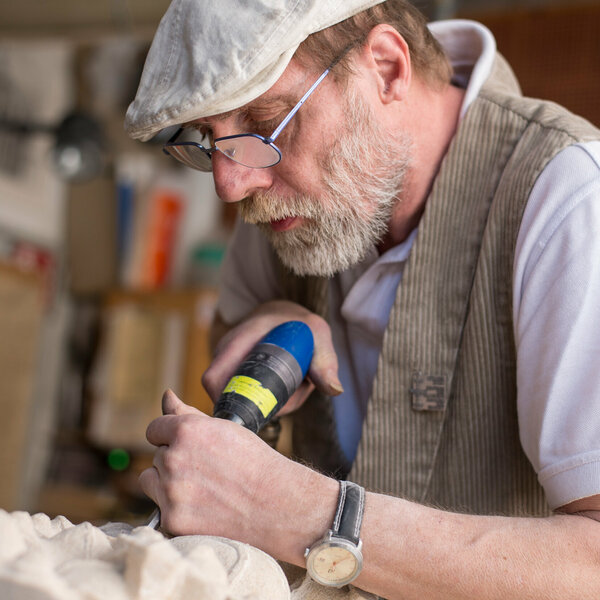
[[266, 206]]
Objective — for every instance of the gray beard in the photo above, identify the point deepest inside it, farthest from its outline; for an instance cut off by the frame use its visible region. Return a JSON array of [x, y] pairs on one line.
[[364, 174]]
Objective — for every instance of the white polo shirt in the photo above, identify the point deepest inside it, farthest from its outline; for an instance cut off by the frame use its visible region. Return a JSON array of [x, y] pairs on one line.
[[556, 299]]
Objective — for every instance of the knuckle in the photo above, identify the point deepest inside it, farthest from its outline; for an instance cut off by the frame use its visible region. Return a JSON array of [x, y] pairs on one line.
[[207, 381], [145, 478], [171, 462], [318, 325], [186, 428], [151, 431], [171, 492]]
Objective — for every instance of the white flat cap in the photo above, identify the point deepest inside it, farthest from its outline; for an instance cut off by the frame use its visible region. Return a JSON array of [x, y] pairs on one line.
[[212, 56]]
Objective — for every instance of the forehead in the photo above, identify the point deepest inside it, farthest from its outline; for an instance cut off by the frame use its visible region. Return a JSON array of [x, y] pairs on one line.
[[286, 91]]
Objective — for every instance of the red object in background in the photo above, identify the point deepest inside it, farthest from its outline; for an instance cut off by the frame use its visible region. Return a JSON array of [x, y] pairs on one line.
[[33, 259]]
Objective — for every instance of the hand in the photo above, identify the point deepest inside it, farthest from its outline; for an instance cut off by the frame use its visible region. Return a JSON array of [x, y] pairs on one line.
[[237, 343], [192, 450], [214, 477]]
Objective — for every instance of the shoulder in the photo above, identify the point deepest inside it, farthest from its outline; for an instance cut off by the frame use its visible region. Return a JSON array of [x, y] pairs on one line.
[[572, 176], [502, 88], [562, 212]]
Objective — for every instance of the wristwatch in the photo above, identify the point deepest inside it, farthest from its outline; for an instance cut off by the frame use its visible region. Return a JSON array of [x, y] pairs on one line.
[[336, 559]]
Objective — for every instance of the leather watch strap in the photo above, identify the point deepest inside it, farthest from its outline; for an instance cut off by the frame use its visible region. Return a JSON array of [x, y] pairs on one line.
[[349, 513]]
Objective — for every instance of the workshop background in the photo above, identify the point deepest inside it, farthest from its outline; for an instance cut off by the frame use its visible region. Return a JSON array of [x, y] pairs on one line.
[[110, 253]]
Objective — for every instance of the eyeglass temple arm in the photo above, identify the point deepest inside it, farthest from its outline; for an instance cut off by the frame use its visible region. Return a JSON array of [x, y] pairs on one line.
[[297, 107], [171, 140], [175, 135], [308, 93]]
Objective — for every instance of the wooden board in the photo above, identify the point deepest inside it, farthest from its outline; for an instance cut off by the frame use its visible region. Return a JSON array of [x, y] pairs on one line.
[[151, 341], [21, 313]]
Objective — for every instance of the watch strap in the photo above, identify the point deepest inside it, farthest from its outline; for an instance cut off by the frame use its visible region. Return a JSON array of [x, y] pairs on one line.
[[349, 513]]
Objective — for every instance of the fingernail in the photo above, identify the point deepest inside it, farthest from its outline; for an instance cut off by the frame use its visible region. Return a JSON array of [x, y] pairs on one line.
[[335, 388], [164, 400]]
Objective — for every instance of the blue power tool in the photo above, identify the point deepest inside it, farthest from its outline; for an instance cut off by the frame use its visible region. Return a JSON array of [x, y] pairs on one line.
[[268, 376]]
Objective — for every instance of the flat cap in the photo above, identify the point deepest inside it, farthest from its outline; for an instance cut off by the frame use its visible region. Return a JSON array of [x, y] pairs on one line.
[[212, 56]]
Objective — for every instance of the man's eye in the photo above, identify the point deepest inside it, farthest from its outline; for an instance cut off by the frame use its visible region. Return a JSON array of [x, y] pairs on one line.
[[197, 134], [264, 127], [205, 135], [206, 138]]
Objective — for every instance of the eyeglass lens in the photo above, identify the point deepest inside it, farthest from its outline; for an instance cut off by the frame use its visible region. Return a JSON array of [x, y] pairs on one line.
[[249, 151], [191, 156]]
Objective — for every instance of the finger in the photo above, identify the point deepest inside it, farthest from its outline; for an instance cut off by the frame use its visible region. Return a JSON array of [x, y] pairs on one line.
[[232, 349], [323, 370], [172, 405], [298, 398], [158, 460], [163, 430], [149, 482]]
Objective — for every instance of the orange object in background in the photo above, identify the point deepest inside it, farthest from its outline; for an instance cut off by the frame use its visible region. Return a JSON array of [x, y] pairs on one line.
[[165, 211]]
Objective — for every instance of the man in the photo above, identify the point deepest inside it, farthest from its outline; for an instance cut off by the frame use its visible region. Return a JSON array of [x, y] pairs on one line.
[[438, 233]]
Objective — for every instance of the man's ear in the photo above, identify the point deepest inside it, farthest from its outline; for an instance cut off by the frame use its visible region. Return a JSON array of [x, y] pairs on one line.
[[387, 54]]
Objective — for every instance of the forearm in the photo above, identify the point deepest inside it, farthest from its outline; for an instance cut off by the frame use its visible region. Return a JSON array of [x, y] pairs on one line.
[[412, 551], [213, 477]]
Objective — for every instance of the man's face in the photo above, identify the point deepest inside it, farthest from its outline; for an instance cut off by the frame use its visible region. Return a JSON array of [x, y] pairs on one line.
[[361, 172]]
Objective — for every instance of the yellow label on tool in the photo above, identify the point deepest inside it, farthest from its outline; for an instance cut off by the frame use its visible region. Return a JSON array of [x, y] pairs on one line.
[[253, 390]]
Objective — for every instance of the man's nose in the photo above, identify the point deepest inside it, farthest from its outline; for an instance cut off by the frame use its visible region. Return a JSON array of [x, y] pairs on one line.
[[234, 182]]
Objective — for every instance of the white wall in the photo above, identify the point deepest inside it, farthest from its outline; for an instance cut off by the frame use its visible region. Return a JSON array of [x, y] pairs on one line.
[[37, 82]]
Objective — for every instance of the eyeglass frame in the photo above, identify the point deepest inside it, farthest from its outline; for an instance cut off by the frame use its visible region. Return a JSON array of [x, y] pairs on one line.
[[266, 140]]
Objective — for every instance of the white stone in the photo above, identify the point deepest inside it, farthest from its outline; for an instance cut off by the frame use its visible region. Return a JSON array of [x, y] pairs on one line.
[[251, 572], [48, 528], [94, 579], [12, 542], [80, 541], [31, 576], [43, 559]]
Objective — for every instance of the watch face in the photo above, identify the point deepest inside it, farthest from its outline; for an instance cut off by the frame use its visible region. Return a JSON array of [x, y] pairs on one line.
[[333, 565]]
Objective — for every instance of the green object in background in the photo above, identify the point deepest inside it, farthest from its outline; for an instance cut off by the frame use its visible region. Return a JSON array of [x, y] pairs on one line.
[[118, 459], [211, 253], [206, 262]]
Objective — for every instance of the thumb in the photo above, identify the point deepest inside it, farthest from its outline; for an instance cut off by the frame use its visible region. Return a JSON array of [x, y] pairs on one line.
[[172, 405]]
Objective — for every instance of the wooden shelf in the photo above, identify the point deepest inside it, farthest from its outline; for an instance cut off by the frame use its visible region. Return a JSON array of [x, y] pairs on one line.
[[80, 21]]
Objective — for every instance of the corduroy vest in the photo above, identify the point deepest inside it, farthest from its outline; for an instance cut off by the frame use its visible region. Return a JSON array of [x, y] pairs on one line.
[[441, 426]]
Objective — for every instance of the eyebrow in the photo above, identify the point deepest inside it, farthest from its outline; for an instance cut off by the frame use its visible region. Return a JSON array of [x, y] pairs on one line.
[[287, 99], [219, 117]]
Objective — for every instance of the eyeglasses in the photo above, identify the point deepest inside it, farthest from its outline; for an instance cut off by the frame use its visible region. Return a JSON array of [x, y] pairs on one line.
[[248, 149]]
